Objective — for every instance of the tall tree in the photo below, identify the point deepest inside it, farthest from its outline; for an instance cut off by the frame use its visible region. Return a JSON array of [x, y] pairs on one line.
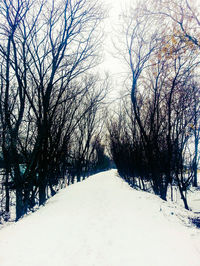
[[47, 49]]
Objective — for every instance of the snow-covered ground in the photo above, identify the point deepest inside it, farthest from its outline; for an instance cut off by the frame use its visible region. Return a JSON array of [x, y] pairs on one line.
[[193, 198], [102, 222]]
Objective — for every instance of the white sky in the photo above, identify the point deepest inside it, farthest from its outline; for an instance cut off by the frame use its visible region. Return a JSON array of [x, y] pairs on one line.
[[114, 66], [110, 26]]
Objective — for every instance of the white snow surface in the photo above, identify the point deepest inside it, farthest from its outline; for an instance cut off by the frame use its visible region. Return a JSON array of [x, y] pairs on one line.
[[101, 222]]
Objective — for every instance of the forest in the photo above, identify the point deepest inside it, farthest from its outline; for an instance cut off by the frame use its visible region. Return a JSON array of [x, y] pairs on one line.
[[154, 134], [56, 124], [51, 103]]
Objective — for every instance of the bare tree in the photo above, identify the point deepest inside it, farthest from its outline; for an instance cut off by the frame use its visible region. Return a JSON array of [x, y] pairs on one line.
[[181, 15], [13, 85], [47, 49], [161, 70], [89, 129]]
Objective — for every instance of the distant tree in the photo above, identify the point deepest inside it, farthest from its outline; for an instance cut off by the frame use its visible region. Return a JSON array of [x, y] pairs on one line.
[[89, 128]]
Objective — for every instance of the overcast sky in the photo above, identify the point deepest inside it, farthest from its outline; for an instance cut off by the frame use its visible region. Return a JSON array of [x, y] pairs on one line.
[[110, 27], [112, 65]]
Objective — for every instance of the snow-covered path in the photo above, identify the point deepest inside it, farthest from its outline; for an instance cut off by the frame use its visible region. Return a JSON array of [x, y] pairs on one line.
[[98, 222]]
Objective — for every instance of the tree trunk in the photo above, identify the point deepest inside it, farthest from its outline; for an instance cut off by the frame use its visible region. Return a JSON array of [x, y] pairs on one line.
[[42, 192], [78, 178], [195, 162], [163, 193], [53, 192], [182, 195], [7, 209], [172, 198], [19, 203]]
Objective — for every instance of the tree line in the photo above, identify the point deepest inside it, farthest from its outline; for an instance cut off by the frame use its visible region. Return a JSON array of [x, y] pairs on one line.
[[154, 134], [51, 99]]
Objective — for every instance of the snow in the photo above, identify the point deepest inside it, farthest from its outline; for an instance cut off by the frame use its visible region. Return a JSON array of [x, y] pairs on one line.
[[193, 198], [102, 222]]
